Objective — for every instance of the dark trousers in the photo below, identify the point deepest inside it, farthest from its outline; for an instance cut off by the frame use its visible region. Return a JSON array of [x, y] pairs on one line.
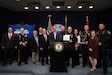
[[70, 54], [85, 54], [102, 59], [77, 57], [23, 55], [8, 55], [111, 56], [39, 56], [44, 54]]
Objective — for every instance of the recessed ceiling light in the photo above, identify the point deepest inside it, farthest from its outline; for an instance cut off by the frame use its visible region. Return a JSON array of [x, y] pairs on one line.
[[91, 6], [36, 7], [80, 6], [17, 0], [69, 7], [58, 7], [47, 7], [26, 7]]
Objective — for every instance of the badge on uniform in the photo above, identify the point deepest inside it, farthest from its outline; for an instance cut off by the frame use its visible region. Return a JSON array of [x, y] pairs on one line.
[[58, 46]]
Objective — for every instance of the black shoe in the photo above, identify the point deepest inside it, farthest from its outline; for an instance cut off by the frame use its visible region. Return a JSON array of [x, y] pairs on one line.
[[19, 64], [33, 62], [3, 65], [42, 64], [10, 63], [83, 65], [104, 72], [26, 62], [98, 66], [73, 66], [47, 63]]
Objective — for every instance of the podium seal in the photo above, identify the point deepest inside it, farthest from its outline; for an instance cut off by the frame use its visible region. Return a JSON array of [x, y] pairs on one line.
[[58, 46]]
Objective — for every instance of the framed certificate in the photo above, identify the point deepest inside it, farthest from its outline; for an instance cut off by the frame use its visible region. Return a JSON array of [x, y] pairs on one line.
[[66, 37]]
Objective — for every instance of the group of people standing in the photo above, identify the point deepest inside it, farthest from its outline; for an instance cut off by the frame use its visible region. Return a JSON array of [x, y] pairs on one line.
[[91, 44]]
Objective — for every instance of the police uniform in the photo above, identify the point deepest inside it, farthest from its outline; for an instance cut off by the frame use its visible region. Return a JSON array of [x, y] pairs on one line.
[[84, 38], [104, 37], [22, 51]]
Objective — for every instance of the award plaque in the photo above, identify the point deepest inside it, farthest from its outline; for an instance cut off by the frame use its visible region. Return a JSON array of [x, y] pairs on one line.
[[66, 37]]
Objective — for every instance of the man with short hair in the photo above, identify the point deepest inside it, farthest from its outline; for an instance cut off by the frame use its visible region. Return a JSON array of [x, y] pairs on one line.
[[104, 37], [34, 44], [84, 41], [9, 42], [22, 51], [44, 44]]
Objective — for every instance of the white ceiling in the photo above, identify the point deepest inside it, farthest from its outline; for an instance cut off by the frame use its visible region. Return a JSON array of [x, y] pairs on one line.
[[19, 6]]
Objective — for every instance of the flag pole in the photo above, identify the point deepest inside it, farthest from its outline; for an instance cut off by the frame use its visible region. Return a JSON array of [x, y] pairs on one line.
[[87, 20], [49, 23], [65, 22]]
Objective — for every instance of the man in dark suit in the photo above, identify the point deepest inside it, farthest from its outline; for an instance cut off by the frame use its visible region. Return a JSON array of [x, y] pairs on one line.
[[34, 44], [44, 44], [54, 36], [84, 41], [62, 32], [39, 34], [9, 42], [70, 51]]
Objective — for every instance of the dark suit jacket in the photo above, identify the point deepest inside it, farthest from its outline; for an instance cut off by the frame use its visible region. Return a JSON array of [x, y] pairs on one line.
[[9, 43], [74, 39], [51, 37], [33, 44], [42, 43]]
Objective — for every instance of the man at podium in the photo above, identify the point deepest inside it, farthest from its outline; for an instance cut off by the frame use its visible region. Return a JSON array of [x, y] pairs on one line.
[[56, 52]]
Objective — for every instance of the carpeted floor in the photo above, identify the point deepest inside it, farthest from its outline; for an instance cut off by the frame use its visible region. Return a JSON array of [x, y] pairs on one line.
[[38, 69]]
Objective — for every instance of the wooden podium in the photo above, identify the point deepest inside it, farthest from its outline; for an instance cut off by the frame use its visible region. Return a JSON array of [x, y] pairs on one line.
[[57, 58]]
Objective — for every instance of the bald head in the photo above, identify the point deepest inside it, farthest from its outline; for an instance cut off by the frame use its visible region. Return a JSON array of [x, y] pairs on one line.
[[22, 30], [44, 31], [69, 29], [86, 27], [63, 28], [34, 33], [54, 28], [10, 30], [40, 29]]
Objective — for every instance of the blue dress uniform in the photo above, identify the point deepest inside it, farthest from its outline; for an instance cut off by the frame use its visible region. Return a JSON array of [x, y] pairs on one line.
[[104, 37], [22, 51]]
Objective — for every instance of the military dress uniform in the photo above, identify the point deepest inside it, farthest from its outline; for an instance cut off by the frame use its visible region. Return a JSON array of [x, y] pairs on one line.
[[104, 37], [22, 51]]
